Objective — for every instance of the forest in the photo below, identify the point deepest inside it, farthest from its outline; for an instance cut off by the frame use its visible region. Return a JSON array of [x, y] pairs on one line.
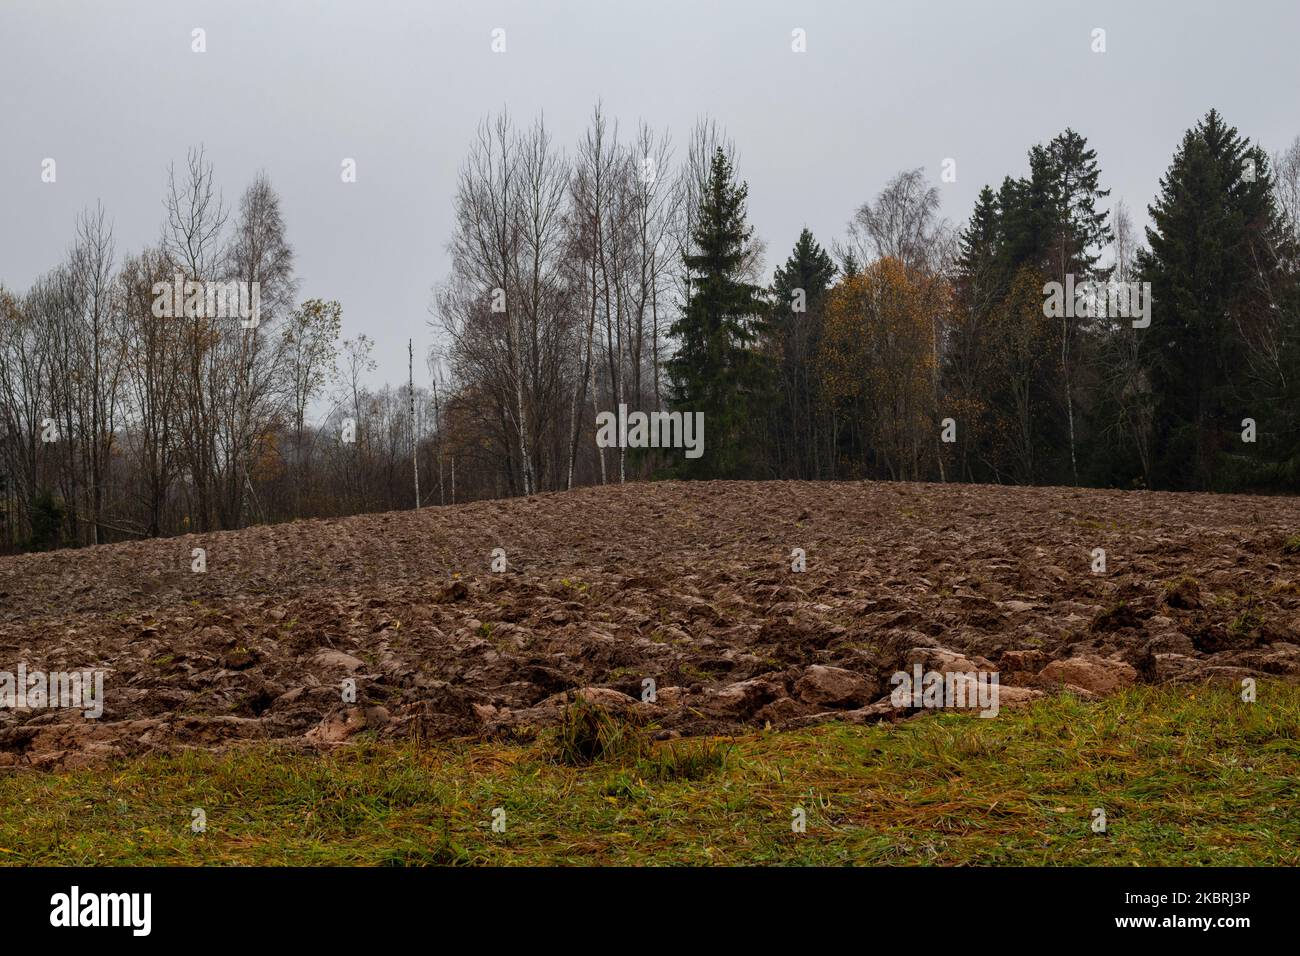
[[1040, 341]]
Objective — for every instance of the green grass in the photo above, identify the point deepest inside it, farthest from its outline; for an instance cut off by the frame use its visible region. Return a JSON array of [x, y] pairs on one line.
[[1185, 776]]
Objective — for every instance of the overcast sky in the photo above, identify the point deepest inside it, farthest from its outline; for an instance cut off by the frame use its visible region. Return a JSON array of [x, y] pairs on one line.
[[113, 92]]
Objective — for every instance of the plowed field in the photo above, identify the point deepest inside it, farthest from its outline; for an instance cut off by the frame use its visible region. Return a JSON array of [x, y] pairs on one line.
[[687, 585]]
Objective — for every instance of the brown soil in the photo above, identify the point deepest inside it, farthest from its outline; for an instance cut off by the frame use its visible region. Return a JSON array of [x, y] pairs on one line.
[[687, 584]]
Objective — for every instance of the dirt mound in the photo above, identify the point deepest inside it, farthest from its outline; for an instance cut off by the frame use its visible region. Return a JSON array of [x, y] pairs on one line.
[[679, 597]]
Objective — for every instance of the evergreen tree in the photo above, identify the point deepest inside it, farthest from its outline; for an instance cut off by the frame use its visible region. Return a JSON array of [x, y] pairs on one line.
[[979, 284], [1051, 224], [1050, 219], [792, 332], [713, 370], [1080, 229], [46, 517], [1213, 267], [1028, 214], [809, 267], [1077, 233], [849, 265], [978, 243]]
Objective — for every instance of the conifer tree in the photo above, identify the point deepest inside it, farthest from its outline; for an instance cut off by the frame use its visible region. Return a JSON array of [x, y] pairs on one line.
[[978, 286], [793, 333], [1213, 268], [1080, 229], [713, 370], [1077, 234]]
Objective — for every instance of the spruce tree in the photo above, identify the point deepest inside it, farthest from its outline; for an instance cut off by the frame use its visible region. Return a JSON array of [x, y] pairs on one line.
[[849, 265], [793, 334], [1213, 267], [713, 370], [977, 245], [1050, 219], [809, 267], [979, 285], [1028, 209], [1076, 235], [1080, 230], [1051, 223]]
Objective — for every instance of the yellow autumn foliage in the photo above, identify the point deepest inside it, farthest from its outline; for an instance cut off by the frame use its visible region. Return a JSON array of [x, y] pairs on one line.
[[879, 358]]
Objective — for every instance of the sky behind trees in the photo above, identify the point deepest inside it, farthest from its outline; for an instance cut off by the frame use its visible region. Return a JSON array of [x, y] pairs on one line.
[[114, 93]]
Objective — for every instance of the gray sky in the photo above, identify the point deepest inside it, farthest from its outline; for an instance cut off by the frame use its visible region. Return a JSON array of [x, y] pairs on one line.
[[111, 90]]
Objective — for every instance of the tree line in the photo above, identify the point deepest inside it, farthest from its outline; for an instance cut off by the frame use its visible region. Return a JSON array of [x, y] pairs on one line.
[[1043, 341]]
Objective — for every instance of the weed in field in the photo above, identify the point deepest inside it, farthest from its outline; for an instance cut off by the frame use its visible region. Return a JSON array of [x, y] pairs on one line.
[[589, 733], [1183, 593], [1247, 621]]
